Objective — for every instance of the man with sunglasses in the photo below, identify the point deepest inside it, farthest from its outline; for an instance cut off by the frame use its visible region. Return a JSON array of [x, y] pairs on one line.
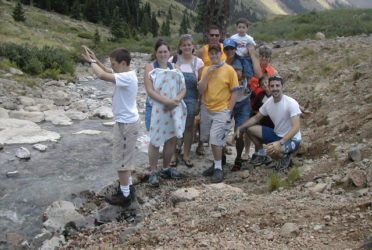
[[285, 113]]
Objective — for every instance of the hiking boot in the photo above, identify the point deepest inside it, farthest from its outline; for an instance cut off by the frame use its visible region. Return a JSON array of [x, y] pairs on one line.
[[209, 171], [261, 160], [170, 173], [217, 176], [283, 164], [154, 179], [118, 199], [237, 165]]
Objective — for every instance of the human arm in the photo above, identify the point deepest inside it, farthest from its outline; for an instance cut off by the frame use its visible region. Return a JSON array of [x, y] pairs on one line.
[[256, 62], [203, 83], [277, 146], [305, 110], [250, 122], [99, 71], [93, 56]]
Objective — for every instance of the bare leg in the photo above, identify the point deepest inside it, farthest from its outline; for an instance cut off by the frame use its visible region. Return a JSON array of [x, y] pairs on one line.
[[168, 151], [124, 177], [188, 137], [239, 145], [217, 152], [153, 157], [255, 134], [247, 143]]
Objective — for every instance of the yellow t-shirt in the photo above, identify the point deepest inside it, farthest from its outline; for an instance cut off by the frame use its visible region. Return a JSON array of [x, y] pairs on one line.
[[206, 59], [221, 82]]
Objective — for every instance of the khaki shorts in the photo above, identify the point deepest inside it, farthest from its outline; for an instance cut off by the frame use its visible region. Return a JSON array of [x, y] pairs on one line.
[[214, 126], [124, 151]]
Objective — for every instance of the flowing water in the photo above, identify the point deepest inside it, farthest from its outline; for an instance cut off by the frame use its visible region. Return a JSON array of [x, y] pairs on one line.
[[73, 164]]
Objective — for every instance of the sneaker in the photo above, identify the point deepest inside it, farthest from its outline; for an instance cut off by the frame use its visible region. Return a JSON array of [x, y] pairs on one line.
[[209, 171], [154, 179], [118, 199], [261, 160], [217, 176], [237, 165], [283, 164], [170, 173]]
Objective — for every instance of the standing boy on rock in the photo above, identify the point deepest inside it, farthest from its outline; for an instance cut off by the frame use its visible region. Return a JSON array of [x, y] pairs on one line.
[[124, 107]]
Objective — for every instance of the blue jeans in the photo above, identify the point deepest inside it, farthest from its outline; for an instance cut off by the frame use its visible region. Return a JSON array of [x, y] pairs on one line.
[[247, 64]]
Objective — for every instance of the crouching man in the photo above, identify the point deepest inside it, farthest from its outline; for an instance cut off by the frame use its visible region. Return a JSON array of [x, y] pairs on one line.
[[285, 113]]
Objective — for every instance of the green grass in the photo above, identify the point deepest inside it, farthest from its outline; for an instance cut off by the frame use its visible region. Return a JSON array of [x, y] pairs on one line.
[[333, 23]]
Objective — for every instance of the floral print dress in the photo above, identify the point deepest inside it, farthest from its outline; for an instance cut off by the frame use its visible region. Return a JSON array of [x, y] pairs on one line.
[[166, 124]]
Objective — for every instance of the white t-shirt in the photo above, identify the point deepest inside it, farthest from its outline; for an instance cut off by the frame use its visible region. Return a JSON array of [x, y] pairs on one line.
[[281, 113], [242, 42], [124, 104], [188, 67]]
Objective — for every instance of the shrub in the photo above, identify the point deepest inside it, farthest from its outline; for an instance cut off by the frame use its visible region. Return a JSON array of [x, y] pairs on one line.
[[293, 175], [85, 35], [34, 66], [275, 182]]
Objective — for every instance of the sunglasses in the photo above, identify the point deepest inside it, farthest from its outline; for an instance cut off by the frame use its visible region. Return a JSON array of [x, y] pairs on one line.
[[214, 35]]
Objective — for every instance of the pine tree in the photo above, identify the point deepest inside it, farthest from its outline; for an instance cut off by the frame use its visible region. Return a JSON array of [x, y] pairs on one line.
[[183, 25], [154, 25], [19, 13], [170, 13], [76, 10], [201, 16], [117, 29]]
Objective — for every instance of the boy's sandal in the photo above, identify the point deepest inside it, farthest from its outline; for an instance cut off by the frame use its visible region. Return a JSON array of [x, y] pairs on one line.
[[188, 163]]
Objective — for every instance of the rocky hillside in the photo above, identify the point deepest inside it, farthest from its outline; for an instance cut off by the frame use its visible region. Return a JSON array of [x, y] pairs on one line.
[[328, 206]]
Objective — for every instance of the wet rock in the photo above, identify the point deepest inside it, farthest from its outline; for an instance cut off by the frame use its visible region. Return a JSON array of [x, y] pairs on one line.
[[103, 113], [355, 154], [26, 101], [319, 36], [88, 132], [40, 147], [109, 124], [184, 194], [76, 115], [57, 117], [24, 115], [289, 230], [12, 174], [59, 213], [23, 153], [357, 177], [3, 113]]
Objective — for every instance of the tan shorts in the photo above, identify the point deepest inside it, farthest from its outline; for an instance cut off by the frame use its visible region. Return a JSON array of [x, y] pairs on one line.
[[214, 126], [124, 151]]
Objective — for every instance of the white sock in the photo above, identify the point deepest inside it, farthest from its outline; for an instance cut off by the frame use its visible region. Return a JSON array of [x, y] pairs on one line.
[[125, 190], [218, 165], [130, 180], [262, 152]]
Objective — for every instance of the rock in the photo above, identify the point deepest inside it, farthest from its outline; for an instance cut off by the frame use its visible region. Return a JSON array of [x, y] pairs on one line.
[[1, 146], [362, 192], [10, 105], [318, 188], [57, 117], [12, 174], [109, 124], [289, 230], [355, 154], [318, 227], [59, 213], [40, 147], [103, 113], [327, 218], [56, 83], [109, 214], [319, 36], [3, 113], [24, 115], [184, 194], [368, 175], [76, 115], [88, 132], [26, 101], [15, 71], [13, 131], [127, 233], [23, 153], [39, 239], [61, 98], [358, 178], [80, 105], [309, 184], [223, 186], [54, 243], [14, 239]]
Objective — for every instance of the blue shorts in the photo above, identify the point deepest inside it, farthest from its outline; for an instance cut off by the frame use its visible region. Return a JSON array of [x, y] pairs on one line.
[[247, 64], [241, 112], [191, 105], [268, 136]]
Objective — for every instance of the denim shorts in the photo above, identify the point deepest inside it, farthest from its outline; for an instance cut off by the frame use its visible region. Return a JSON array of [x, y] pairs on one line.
[[241, 112], [268, 136]]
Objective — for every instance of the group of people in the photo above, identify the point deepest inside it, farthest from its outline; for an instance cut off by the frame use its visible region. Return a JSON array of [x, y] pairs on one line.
[[225, 83]]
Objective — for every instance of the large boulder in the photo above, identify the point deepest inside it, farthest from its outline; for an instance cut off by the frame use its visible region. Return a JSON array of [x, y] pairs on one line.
[[57, 117], [24, 115]]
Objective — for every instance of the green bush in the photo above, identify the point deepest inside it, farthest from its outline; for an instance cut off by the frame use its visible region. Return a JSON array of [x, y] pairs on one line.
[[85, 35], [293, 175], [34, 61], [275, 182]]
